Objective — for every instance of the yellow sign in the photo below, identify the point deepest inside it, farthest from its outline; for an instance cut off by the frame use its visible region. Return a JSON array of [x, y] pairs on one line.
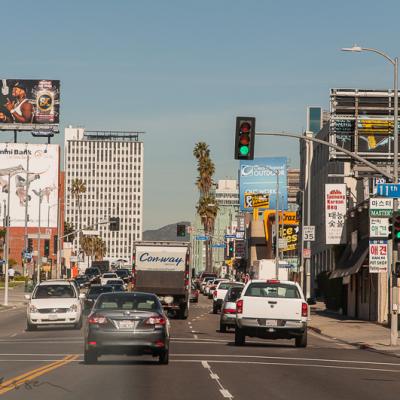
[[290, 233], [255, 200]]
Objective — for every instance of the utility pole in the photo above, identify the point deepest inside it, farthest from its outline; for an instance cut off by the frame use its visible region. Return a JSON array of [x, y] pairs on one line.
[[7, 246], [309, 151], [39, 257], [277, 225], [26, 213]]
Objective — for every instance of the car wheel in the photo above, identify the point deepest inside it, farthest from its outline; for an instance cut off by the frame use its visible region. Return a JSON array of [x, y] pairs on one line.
[[222, 328], [301, 341], [30, 327], [240, 338], [215, 308], [163, 358], [90, 357]]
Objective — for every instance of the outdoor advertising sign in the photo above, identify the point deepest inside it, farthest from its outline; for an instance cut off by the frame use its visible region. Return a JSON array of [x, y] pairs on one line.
[[335, 211], [362, 122], [43, 175], [378, 256], [27, 104], [258, 176]]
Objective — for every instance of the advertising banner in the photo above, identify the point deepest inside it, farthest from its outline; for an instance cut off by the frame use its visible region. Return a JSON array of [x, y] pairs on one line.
[[43, 160], [378, 256], [150, 258], [335, 211], [258, 176], [27, 104]]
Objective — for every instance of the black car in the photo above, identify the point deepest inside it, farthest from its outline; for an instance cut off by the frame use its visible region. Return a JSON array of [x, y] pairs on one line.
[[94, 292], [93, 273], [131, 323], [124, 274], [82, 281]]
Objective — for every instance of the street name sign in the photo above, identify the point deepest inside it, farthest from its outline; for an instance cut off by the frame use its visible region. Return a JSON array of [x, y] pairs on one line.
[[378, 256], [380, 207], [233, 236], [201, 238], [379, 227], [218, 245], [309, 233], [388, 190]]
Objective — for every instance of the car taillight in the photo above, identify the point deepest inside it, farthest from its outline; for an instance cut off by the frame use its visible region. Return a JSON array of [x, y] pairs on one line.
[[304, 310], [239, 306], [229, 311], [97, 319], [215, 293], [273, 281], [155, 321]]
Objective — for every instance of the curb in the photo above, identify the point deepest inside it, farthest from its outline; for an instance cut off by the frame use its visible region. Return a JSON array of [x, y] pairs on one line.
[[360, 346]]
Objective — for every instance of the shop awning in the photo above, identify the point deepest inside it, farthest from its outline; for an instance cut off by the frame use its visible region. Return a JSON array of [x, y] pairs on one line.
[[350, 263]]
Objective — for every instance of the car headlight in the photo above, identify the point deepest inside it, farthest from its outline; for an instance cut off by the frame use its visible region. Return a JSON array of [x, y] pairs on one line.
[[74, 307], [168, 299], [33, 309]]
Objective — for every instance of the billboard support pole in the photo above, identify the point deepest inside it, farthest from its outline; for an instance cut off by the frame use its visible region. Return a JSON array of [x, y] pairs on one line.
[[15, 136], [7, 249], [26, 213]]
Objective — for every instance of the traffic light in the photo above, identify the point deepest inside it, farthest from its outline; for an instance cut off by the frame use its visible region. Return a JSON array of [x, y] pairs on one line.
[[180, 230], [46, 248], [114, 224], [231, 248], [30, 245], [244, 138], [396, 226]]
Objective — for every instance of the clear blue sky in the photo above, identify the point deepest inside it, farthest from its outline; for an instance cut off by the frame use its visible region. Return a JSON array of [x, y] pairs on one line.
[[182, 71]]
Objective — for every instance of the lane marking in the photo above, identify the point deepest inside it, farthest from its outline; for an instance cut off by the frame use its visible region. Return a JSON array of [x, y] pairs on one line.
[[225, 393], [13, 335], [293, 365], [15, 382], [196, 337]]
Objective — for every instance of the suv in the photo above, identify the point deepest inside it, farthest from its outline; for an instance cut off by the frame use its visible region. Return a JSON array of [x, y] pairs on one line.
[[54, 302], [220, 291], [271, 309]]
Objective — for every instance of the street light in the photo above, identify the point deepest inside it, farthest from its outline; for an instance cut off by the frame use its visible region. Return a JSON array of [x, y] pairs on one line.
[[395, 63]]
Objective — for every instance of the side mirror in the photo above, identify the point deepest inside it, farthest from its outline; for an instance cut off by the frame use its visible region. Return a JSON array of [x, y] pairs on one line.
[[27, 296], [82, 296], [311, 301]]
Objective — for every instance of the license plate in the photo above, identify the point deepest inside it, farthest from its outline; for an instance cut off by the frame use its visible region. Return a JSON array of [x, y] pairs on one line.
[[271, 322], [126, 324], [53, 317]]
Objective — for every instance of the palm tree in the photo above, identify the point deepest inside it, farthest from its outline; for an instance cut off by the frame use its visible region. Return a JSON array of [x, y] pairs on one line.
[[100, 248], [68, 230], [93, 247], [206, 207], [77, 188]]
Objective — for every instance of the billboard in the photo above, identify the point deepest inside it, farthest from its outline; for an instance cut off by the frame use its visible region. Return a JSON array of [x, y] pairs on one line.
[[258, 176], [43, 174], [362, 122], [27, 104], [335, 212]]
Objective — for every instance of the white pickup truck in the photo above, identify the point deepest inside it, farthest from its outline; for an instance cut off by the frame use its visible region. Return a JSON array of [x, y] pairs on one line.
[[271, 309]]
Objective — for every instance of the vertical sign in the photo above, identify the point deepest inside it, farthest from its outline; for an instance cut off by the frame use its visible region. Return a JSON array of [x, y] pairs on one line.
[[335, 211], [378, 256]]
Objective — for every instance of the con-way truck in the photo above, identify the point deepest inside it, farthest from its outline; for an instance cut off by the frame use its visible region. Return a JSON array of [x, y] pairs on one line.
[[162, 268]]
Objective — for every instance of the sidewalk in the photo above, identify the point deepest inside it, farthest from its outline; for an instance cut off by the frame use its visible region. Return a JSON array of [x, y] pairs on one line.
[[361, 334], [16, 297]]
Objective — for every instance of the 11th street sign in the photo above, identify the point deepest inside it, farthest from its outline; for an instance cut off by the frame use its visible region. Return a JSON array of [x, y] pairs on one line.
[[388, 190], [380, 207]]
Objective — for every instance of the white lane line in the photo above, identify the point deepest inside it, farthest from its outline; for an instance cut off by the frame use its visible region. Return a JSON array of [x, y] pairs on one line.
[[13, 335], [292, 365], [196, 337], [225, 393], [286, 358], [35, 354]]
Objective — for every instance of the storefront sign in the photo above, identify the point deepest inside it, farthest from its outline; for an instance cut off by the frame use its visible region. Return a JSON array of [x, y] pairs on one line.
[[335, 211], [378, 256], [380, 207], [379, 227]]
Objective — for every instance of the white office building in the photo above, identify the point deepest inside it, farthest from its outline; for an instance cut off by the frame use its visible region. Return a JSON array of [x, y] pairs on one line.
[[111, 166]]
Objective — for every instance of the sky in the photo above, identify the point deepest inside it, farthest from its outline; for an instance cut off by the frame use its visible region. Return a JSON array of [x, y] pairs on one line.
[[182, 71]]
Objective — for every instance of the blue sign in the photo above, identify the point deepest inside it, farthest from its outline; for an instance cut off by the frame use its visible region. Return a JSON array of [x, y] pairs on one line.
[[258, 176], [219, 245], [201, 237], [388, 190], [230, 236]]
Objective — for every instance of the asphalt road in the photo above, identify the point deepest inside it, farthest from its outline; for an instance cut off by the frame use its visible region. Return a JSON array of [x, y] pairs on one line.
[[204, 364]]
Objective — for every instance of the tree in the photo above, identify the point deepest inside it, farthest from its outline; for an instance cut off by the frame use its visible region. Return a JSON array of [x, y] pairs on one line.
[[206, 207], [94, 247], [77, 188], [68, 229]]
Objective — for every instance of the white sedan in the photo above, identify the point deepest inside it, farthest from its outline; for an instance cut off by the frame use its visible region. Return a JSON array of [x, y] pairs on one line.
[[108, 275]]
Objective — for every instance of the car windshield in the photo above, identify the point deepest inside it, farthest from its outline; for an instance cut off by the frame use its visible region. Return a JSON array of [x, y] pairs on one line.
[[118, 288], [91, 271], [109, 275], [122, 272], [227, 285], [277, 290], [100, 289], [208, 279], [234, 293], [52, 291], [114, 282], [131, 301]]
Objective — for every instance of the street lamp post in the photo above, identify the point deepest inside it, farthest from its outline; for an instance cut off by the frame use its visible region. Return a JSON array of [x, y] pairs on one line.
[[395, 63]]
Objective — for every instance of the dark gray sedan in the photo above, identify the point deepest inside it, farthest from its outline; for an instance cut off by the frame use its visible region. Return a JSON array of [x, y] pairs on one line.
[[131, 323]]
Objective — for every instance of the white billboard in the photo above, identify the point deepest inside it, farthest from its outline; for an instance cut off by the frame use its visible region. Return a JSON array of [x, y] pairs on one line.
[[335, 211], [160, 258], [41, 178]]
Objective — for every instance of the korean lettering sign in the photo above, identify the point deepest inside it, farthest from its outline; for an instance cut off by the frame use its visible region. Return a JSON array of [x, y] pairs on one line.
[[378, 256], [335, 211]]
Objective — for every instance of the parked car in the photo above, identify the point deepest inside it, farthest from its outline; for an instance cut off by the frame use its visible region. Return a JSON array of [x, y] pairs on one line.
[[220, 291], [54, 302], [228, 308], [131, 323], [271, 309], [194, 294], [94, 292], [108, 275]]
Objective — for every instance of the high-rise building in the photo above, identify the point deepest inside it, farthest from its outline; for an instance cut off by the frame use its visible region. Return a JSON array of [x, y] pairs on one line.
[[111, 166]]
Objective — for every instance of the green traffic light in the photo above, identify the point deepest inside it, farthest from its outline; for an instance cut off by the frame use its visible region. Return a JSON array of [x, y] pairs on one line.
[[397, 235], [244, 150]]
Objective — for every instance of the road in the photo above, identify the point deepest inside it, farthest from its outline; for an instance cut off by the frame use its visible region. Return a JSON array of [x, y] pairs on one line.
[[204, 364]]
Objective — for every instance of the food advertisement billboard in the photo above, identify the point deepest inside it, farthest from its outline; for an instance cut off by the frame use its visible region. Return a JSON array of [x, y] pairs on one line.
[[27, 172]]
